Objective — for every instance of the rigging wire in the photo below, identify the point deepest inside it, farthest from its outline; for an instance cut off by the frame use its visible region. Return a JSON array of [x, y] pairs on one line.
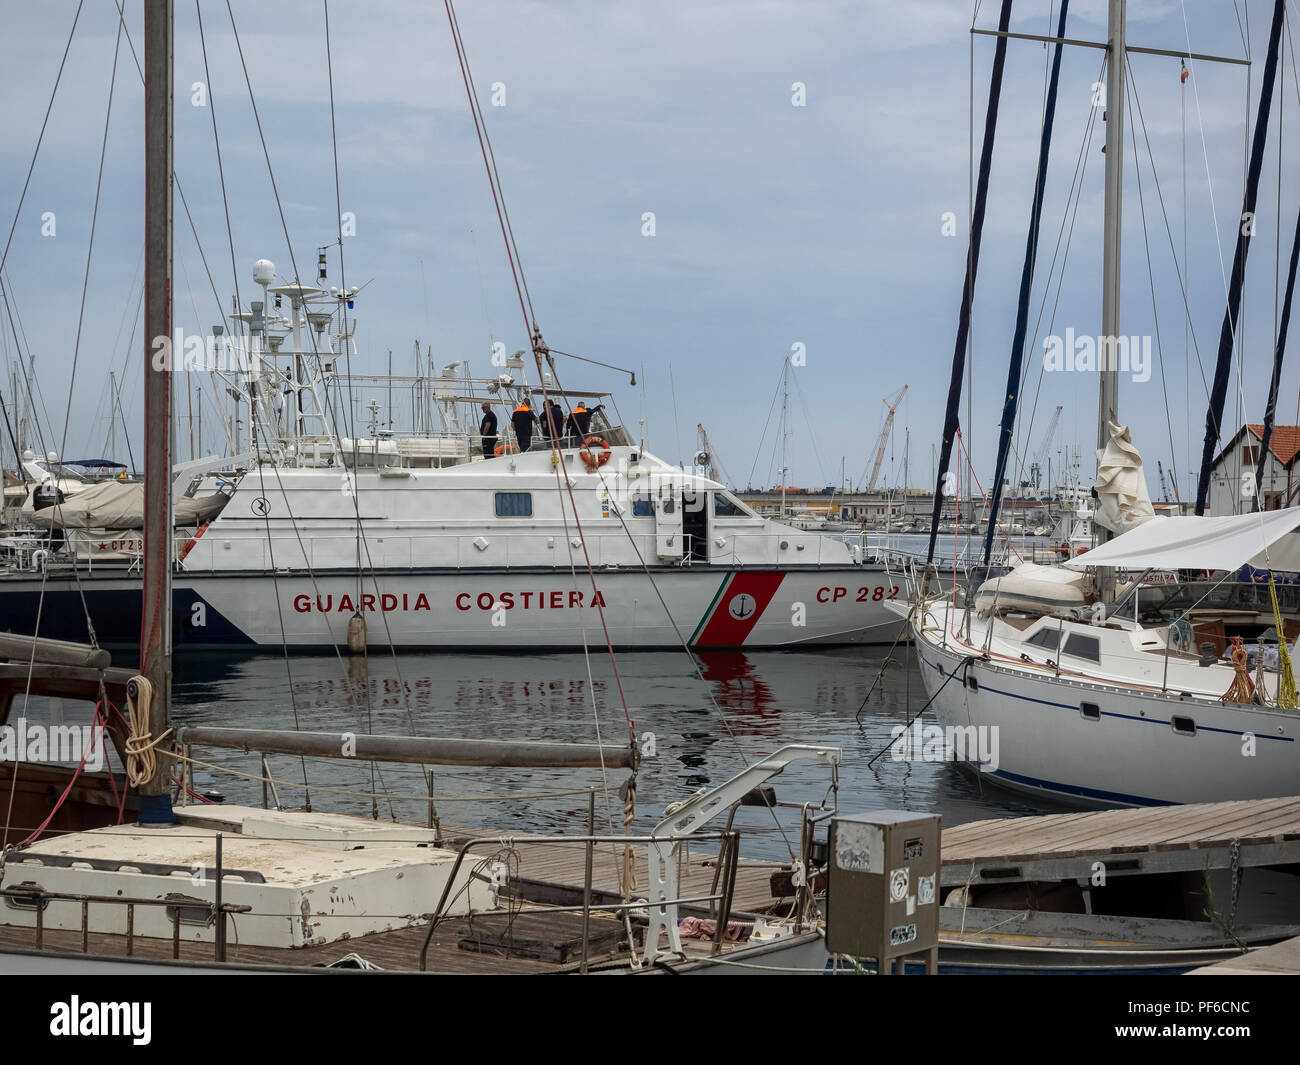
[[4, 257], [1131, 92]]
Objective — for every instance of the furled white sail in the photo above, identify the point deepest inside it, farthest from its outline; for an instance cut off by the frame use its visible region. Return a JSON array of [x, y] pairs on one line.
[[1123, 502]]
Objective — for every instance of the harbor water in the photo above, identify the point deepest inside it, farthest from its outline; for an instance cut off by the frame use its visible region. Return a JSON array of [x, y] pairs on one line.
[[703, 727]]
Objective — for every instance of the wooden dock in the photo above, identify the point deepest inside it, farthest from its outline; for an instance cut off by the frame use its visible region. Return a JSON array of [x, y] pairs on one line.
[[1153, 840], [1281, 959]]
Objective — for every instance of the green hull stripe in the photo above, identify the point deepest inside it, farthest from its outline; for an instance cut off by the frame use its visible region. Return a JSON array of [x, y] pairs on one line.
[[709, 613]]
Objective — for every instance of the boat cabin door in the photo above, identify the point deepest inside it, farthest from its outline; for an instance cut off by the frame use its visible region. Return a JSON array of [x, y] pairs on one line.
[[695, 525], [668, 521]]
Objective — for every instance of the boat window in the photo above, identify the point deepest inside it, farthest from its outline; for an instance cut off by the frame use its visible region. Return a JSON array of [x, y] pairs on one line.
[[1091, 711], [1088, 647], [514, 504], [1049, 638], [642, 506], [1184, 726], [724, 506]]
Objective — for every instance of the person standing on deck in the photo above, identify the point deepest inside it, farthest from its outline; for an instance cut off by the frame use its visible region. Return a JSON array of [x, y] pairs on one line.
[[487, 429], [523, 420], [552, 421], [579, 422]]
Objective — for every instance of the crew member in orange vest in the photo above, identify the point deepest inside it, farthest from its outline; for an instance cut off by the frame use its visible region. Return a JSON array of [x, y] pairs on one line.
[[579, 422], [523, 419]]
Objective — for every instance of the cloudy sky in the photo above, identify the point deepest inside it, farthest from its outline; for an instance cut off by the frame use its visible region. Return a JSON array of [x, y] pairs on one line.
[[775, 225]]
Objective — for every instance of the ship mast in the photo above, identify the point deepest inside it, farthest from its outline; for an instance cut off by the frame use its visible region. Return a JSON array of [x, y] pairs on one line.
[[1108, 369], [155, 627]]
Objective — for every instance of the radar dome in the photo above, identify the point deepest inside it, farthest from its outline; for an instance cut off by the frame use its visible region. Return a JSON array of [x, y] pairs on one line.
[[263, 271]]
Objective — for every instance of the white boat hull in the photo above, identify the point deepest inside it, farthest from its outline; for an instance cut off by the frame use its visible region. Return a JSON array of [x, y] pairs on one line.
[[1129, 755], [483, 610]]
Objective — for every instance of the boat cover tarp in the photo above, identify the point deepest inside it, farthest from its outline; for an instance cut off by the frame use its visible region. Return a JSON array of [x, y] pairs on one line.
[[1267, 539], [120, 505], [1033, 587], [1123, 501]]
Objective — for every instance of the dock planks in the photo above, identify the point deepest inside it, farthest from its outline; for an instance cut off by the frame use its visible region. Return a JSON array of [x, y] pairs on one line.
[[1165, 828]]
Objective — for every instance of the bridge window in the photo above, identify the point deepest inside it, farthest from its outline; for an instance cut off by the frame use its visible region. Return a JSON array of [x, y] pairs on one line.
[[724, 506], [514, 504], [642, 506]]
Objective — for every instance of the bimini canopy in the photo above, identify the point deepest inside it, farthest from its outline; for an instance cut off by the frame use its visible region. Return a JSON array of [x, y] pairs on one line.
[[120, 505], [1267, 539]]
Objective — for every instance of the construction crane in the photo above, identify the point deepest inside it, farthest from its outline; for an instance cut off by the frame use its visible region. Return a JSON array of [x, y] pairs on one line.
[[884, 437], [1164, 489], [1036, 467]]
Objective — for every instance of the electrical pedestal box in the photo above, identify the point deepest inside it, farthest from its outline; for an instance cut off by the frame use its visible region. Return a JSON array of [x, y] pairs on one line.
[[882, 890]]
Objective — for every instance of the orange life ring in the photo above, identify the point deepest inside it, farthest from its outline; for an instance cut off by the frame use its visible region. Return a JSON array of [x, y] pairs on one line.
[[1080, 550], [596, 459], [189, 544], [503, 449]]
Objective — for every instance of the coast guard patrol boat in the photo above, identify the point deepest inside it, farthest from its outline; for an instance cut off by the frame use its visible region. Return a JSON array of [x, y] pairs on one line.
[[426, 539]]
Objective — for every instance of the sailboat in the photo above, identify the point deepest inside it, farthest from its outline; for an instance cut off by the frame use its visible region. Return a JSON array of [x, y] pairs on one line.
[[1100, 689]]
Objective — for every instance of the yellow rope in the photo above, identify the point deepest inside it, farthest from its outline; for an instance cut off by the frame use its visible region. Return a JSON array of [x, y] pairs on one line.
[[1286, 693]]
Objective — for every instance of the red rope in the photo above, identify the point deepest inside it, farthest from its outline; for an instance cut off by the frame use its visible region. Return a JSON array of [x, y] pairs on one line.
[[36, 833]]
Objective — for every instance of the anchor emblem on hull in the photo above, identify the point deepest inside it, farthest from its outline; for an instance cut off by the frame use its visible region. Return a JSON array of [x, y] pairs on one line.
[[741, 606]]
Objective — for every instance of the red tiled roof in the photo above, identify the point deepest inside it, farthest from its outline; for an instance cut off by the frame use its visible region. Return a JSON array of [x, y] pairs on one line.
[[1284, 441]]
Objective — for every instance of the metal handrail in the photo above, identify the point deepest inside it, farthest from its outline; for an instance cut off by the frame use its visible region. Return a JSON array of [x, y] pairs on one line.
[[218, 909], [729, 852]]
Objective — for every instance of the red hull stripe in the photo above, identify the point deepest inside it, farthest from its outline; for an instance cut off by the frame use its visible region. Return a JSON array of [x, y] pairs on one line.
[[738, 609]]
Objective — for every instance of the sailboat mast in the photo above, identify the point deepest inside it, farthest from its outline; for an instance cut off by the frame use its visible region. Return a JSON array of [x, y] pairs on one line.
[[785, 431], [155, 628], [1108, 369]]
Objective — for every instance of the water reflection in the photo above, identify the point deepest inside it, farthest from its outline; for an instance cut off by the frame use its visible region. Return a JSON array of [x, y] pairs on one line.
[[763, 700]]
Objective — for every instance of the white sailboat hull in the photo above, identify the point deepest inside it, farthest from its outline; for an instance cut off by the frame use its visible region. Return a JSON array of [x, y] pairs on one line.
[[1130, 754]]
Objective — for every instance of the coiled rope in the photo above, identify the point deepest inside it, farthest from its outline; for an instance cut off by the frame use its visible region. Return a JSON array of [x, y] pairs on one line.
[[141, 759]]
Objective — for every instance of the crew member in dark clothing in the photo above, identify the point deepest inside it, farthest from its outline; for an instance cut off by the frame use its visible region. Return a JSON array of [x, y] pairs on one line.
[[552, 421], [579, 422], [488, 430], [523, 419]]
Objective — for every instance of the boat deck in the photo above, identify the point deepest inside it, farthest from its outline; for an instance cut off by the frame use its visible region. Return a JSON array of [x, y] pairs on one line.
[[549, 875], [1001, 850]]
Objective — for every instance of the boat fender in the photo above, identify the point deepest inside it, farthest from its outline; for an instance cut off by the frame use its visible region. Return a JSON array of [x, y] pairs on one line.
[[356, 634], [38, 560], [594, 459]]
